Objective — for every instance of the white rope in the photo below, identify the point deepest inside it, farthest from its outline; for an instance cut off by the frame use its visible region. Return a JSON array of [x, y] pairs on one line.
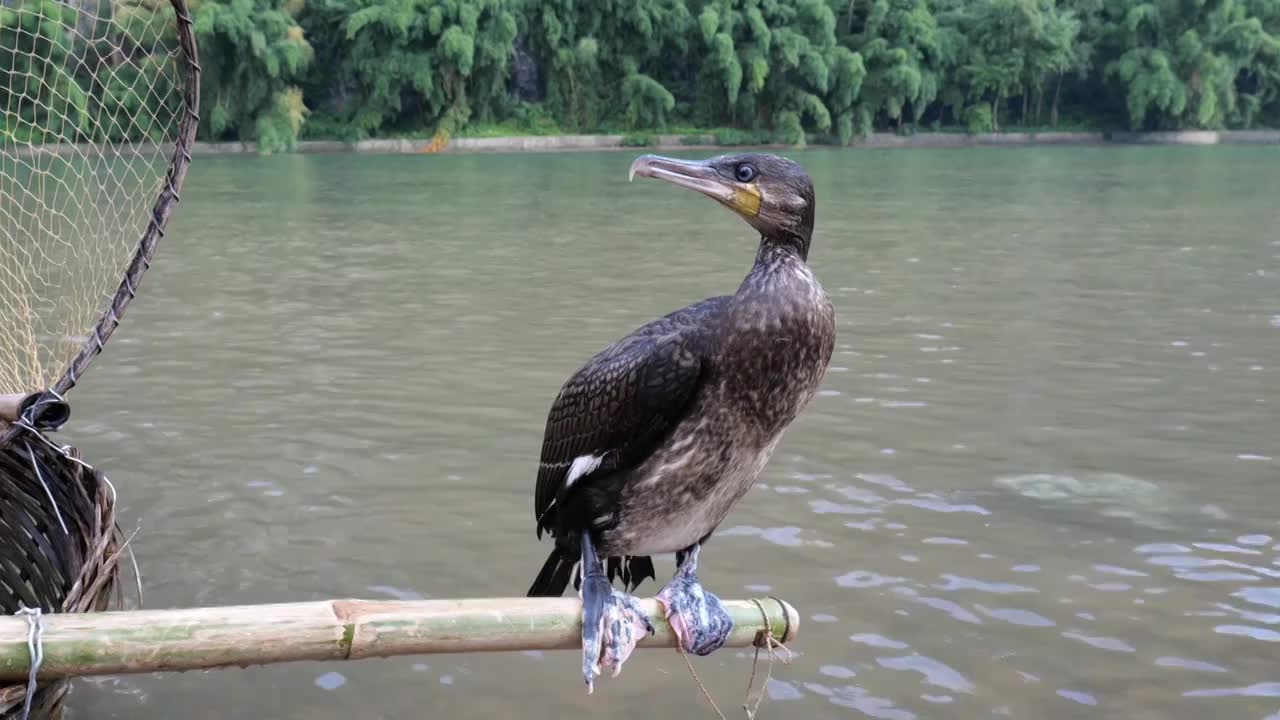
[[64, 450], [35, 646], [40, 476]]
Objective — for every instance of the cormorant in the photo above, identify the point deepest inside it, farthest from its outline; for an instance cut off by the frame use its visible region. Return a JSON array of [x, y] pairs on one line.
[[649, 445]]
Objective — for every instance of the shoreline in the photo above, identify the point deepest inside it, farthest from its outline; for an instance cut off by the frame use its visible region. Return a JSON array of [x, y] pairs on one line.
[[668, 142], [563, 143]]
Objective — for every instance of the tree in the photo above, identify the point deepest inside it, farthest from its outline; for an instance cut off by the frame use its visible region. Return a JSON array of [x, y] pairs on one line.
[[899, 44], [252, 52], [1054, 49], [1259, 82], [1080, 58], [390, 64], [42, 99], [776, 65], [604, 62], [1178, 64], [785, 70]]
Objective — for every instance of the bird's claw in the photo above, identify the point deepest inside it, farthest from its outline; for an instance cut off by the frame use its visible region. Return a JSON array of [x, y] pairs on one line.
[[698, 618], [609, 641]]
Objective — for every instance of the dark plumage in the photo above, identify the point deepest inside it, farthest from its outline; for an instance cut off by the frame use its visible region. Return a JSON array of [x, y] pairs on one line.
[[620, 405], [649, 445]]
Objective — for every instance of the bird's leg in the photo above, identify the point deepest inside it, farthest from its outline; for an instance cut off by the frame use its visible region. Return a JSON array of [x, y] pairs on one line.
[[612, 621], [698, 617]]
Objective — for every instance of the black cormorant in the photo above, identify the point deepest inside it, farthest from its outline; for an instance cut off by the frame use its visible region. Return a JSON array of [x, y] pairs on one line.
[[649, 445]]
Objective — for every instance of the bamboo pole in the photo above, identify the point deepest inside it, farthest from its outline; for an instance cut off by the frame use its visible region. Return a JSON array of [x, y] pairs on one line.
[[53, 411], [11, 406], [142, 641]]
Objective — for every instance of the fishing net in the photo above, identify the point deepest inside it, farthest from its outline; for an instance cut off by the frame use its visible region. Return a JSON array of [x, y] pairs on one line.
[[98, 110], [98, 100]]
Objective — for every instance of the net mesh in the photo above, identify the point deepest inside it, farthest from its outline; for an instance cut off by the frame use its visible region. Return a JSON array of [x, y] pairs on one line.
[[94, 99]]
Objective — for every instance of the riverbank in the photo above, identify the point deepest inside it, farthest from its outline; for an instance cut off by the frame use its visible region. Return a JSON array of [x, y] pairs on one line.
[[570, 143], [562, 143]]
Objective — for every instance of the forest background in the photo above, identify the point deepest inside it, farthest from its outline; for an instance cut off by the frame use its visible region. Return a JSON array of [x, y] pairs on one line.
[[741, 71]]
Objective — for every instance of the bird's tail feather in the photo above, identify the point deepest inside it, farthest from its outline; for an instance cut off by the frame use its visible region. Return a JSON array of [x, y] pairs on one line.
[[632, 569], [556, 573]]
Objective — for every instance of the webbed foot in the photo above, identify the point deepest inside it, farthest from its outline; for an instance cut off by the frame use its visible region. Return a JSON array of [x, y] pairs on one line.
[[612, 621], [610, 628], [699, 619]]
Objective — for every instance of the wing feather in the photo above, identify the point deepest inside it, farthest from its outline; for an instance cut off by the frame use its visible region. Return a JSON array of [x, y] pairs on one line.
[[622, 403]]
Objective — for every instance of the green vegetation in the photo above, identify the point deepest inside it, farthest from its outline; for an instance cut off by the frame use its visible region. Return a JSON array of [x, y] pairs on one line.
[[750, 70], [29, 44], [252, 52]]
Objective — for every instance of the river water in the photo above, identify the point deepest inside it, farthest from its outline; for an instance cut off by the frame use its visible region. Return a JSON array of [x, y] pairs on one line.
[[1040, 479]]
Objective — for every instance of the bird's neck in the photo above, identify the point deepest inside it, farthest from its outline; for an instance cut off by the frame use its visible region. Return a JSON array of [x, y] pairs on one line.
[[777, 266], [775, 252]]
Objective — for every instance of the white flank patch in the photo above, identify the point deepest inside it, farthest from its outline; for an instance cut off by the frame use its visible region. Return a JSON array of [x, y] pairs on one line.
[[582, 465]]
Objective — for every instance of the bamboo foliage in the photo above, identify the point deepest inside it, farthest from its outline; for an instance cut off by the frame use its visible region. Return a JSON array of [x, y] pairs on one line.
[[768, 70]]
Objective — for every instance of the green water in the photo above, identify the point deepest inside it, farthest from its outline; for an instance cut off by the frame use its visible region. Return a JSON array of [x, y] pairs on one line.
[[1038, 480]]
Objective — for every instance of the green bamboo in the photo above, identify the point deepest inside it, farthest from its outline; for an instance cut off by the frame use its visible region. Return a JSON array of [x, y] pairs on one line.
[[141, 641]]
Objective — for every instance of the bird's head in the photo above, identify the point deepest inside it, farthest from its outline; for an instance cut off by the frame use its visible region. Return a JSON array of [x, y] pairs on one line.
[[773, 194]]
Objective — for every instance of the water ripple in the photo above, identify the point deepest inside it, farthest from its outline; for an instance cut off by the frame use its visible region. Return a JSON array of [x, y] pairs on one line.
[[785, 536], [1264, 689], [1102, 643], [1249, 631], [1224, 548], [866, 579], [1076, 696], [838, 672], [958, 582], [782, 690], [1269, 596], [1186, 664], [885, 480], [878, 641], [1016, 616], [826, 507], [331, 681], [955, 610], [1216, 576], [859, 699], [1161, 549], [1114, 570], [934, 672], [942, 506]]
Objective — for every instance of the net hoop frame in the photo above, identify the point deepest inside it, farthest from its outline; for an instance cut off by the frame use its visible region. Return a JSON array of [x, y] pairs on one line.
[[163, 208]]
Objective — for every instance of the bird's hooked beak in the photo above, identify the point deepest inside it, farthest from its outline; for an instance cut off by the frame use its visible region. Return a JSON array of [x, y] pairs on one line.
[[700, 175]]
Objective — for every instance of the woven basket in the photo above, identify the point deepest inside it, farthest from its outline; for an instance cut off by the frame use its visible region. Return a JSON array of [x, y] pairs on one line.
[[41, 564]]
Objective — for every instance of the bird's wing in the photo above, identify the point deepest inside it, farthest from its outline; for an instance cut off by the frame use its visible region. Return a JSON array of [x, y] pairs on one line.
[[612, 413]]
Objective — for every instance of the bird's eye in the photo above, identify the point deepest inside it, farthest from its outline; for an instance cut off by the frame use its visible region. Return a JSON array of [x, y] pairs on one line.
[[745, 172]]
